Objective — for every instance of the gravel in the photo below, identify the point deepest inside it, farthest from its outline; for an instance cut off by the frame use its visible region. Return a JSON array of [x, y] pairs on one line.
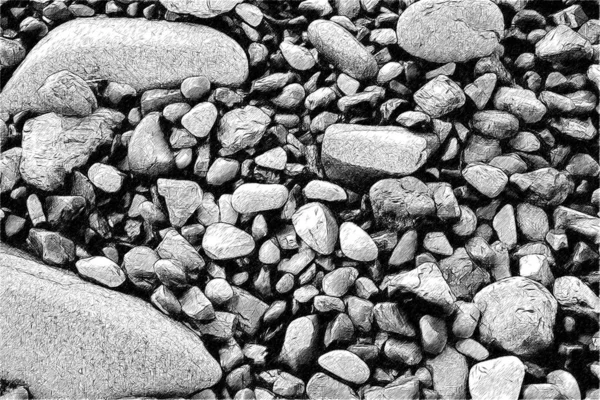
[[331, 198]]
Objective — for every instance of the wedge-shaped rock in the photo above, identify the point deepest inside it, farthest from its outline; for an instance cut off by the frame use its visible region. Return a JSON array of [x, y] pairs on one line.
[[137, 52], [117, 345], [54, 145], [443, 31], [358, 155]]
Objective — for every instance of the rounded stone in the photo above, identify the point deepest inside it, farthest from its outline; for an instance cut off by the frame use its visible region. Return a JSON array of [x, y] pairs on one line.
[[517, 315], [224, 241], [444, 31], [258, 197], [356, 244], [345, 365]]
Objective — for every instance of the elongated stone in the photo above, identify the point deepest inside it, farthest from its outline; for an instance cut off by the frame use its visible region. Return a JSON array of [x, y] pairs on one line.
[[342, 49], [72, 339], [359, 155], [224, 241], [159, 54], [257, 197]]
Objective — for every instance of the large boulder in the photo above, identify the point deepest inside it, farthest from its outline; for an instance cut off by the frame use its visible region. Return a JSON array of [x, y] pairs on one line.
[[125, 51], [445, 31], [68, 338], [517, 315], [358, 155]]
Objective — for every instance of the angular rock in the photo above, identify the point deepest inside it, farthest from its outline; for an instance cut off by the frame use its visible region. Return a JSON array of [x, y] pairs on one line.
[[200, 119], [138, 263], [195, 305], [10, 175], [517, 315], [345, 365], [562, 44], [257, 197], [544, 187], [106, 177], [67, 94], [242, 128], [224, 241], [480, 91], [495, 124], [433, 334], [176, 247], [356, 244], [358, 155], [463, 277], [53, 145], [248, 309], [182, 198], [500, 378], [390, 318], [443, 32], [576, 297], [317, 227], [342, 49], [402, 351], [576, 221], [11, 53], [579, 129], [57, 312], [101, 270], [51, 247], [95, 52], [489, 181], [299, 347], [520, 102], [440, 96]]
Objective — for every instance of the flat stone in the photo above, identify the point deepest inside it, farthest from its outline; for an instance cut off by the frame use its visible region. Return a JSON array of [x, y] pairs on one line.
[[495, 124], [450, 31], [257, 197], [148, 152], [242, 128], [450, 373], [224, 241], [317, 227], [95, 53], [298, 57], [200, 8], [341, 49], [440, 96], [101, 270], [345, 365], [472, 349], [182, 198], [54, 145], [500, 378], [359, 155], [53, 313], [67, 94], [324, 387], [517, 315], [356, 244]]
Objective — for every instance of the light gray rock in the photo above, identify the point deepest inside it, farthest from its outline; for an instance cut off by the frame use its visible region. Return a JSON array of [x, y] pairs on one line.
[[299, 348], [242, 128], [10, 162], [95, 52], [517, 315], [200, 119], [500, 378], [562, 44], [11, 53], [317, 227], [138, 263], [101, 270], [52, 247], [67, 94], [341, 49], [544, 187], [324, 387], [566, 384], [356, 244], [440, 96], [576, 297], [450, 31], [450, 374], [182, 198], [50, 313], [359, 155], [257, 197], [345, 365], [488, 180], [106, 177], [54, 145], [223, 241], [520, 102], [200, 8], [148, 152], [176, 247]]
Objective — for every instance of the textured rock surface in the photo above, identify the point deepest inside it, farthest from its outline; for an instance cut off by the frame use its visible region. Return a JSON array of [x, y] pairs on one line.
[[450, 31], [356, 155], [95, 51], [69, 338], [500, 378]]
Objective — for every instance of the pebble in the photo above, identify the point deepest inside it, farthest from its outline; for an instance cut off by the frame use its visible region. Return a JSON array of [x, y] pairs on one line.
[[440, 96], [391, 318], [544, 187], [223, 61], [532, 222], [341, 49], [450, 373], [106, 177], [90, 311], [171, 274], [181, 197], [495, 124], [200, 8], [576, 221], [466, 319], [400, 351], [224, 242], [10, 161], [480, 91], [356, 244], [300, 343], [11, 53], [360, 312], [443, 32], [324, 191], [248, 309], [337, 283], [353, 154], [101, 270], [566, 384], [176, 247], [242, 128], [488, 180], [200, 120], [433, 334], [472, 349], [256, 197], [138, 264], [514, 311], [195, 87], [323, 387], [345, 365], [398, 203], [221, 171], [52, 247], [317, 227], [521, 103], [275, 158], [195, 305], [576, 297], [437, 243], [562, 44], [148, 152], [298, 57], [500, 378], [67, 94], [46, 168]]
